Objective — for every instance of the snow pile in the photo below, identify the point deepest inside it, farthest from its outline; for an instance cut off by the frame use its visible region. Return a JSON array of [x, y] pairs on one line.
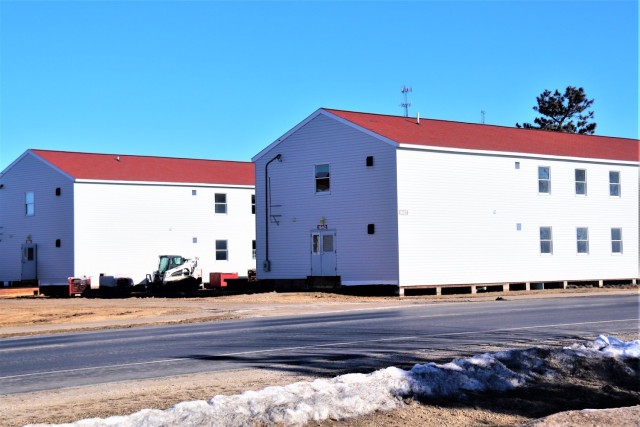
[[353, 395], [610, 346]]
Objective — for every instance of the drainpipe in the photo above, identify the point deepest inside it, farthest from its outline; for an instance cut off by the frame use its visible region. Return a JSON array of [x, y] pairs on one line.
[[267, 262]]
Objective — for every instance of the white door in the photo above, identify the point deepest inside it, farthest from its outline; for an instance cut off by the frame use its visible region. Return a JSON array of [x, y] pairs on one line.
[[323, 253], [29, 261]]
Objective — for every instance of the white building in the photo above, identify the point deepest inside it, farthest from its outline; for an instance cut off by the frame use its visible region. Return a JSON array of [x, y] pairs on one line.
[[65, 214], [373, 199]]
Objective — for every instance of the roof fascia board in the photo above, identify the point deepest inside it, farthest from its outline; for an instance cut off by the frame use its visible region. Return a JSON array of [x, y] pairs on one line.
[[322, 111], [160, 183], [414, 147], [286, 135], [361, 129], [12, 164], [30, 152]]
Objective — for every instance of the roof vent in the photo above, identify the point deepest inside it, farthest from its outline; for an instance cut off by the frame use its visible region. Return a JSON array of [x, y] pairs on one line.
[[418, 119], [117, 158]]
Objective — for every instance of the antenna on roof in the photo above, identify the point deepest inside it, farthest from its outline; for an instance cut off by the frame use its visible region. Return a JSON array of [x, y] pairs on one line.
[[406, 104], [482, 116]]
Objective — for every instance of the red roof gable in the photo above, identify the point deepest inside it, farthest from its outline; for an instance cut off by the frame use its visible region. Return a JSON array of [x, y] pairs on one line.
[[114, 167], [469, 136]]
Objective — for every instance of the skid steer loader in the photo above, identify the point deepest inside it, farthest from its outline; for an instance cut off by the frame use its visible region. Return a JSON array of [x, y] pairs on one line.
[[175, 274]]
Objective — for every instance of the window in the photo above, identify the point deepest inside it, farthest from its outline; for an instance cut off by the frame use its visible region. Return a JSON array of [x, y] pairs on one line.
[[546, 241], [194, 240], [614, 183], [517, 165], [58, 191], [616, 240], [221, 250], [544, 180], [582, 237], [253, 249], [194, 192], [58, 243], [221, 203], [581, 182], [322, 178], [369, 161], [30, 203], [253, 204]]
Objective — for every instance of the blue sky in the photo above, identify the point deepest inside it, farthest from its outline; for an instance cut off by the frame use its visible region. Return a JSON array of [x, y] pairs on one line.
[[221, 80]]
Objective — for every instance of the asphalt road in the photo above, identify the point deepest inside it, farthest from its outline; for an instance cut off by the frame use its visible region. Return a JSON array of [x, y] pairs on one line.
[[321, 345]]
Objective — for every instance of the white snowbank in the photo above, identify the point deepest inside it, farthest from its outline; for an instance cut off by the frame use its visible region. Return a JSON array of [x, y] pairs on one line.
[[353, 395]]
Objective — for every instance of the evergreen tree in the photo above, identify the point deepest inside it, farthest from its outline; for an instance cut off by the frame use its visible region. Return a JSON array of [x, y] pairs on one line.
[[563, 113]]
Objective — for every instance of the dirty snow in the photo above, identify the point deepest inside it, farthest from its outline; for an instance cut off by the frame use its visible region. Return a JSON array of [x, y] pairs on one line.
[[353, 395]]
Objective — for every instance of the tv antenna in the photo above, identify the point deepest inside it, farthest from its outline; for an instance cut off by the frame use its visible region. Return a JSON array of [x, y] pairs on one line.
[[406, 104], [482, 116]]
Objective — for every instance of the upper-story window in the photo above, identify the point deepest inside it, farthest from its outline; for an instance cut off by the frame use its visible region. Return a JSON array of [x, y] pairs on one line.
[[614, 184], [544, 180], [582, 238], [253, 204], [221, 203], [323, 184], [581, 182], [546, 240], [30, 203]]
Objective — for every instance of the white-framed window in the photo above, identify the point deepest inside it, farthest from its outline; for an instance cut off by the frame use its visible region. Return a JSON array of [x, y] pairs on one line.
[[582, 239], [614, 184], [546, 240], [221, 203], [30, 203], [544, 180], [616, 240], [222, 254], [581, 182], [323, 178], [253, 249], [253, 204]]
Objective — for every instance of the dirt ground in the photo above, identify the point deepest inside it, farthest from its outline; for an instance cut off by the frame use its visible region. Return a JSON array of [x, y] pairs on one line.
[[584, 387]]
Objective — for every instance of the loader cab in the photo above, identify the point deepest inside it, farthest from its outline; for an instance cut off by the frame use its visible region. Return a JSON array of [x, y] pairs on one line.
[[167, 262]]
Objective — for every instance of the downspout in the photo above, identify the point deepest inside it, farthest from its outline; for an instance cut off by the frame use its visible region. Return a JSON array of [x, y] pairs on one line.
[[267, 262]]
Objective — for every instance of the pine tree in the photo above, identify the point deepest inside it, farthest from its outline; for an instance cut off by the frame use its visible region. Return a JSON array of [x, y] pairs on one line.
[[559, 112]]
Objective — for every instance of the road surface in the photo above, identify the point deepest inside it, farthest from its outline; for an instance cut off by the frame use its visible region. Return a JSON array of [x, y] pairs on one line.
[[319, 345]]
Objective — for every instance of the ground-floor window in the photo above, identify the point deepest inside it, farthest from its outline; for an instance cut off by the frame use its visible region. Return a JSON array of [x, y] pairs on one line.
[[222, 254], [546, 240], [616, 240], [582, 237]]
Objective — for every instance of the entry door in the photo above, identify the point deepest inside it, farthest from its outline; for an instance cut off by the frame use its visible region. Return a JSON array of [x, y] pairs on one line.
[[323, 253], [29, 261]]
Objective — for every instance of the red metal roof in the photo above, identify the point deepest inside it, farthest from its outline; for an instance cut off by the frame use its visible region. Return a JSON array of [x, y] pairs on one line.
[[469, 136], [120, 167]]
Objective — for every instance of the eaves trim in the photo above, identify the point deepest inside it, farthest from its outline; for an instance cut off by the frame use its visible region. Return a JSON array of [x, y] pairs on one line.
[[163, 184], [433, 148]]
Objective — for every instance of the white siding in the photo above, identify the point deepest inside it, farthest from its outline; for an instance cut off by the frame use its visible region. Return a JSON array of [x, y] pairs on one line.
[[462, 212], [122, 229], [53, 220], [360, 195]]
